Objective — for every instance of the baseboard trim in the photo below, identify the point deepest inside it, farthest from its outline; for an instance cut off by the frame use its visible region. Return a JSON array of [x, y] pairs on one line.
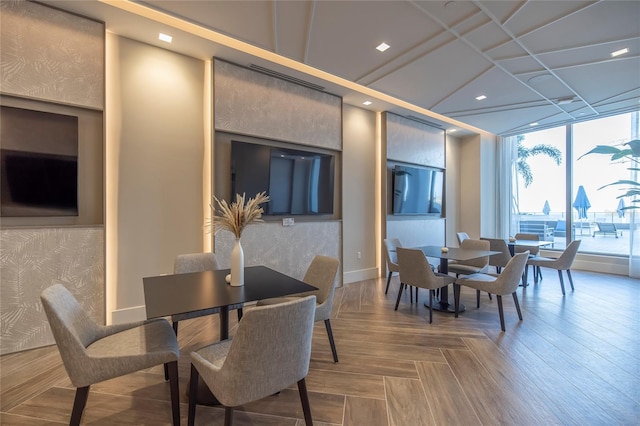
[[360, 275]]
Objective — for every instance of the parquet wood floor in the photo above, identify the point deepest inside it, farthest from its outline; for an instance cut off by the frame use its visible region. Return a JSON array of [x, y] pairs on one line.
[[572, 360]]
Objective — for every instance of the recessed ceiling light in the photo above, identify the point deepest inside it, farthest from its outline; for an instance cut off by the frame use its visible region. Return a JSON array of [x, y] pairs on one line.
[[367, 103], [481, 98], [533, 124], [453, 130], [383, 46], [619, 52], [165, 37]]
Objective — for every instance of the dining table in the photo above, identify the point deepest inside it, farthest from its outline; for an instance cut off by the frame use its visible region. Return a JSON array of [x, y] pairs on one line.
[[171, 294], [452, 253]]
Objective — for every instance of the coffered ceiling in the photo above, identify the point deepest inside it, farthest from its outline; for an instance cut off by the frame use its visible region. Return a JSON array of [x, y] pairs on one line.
[[545, 62]]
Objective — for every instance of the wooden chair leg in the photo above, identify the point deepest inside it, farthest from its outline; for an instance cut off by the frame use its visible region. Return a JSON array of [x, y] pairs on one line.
[[500, 311], [228, 416], [515, 300], [304, 399], [478, 299], [456, 297], [239, 314], [561, 281], [327, 324], [193, 396], [416, 295], [174, 384], [386, 290], [490, 298], [430, 308], [80, 401], [570, 279], [411, 294], [399, 295]]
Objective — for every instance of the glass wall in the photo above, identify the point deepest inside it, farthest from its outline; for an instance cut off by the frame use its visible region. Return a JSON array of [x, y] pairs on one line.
[[547, 204]]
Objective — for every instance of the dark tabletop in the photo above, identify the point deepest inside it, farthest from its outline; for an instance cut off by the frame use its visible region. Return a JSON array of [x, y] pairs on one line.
[[455, 253], [181, 293]]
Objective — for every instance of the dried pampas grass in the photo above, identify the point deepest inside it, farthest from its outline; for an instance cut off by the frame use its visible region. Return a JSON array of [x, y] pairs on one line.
[[236, 216]]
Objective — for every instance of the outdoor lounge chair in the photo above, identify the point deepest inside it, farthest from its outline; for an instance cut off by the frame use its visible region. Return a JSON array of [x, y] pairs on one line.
[[606, 228]]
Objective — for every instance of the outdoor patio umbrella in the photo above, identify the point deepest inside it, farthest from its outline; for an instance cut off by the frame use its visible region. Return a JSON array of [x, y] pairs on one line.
[[546, 209], [621, 207], [581, 203]]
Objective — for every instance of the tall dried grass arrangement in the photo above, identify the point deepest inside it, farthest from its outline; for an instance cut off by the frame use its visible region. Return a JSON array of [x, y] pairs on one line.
[[236, 216]]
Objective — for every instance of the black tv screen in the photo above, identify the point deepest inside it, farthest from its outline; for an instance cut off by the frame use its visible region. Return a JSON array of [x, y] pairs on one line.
[[299, 182], [38, 163], [417, 190]]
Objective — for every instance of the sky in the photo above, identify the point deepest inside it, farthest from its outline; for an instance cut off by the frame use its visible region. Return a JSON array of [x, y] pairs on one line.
[[592, 171]]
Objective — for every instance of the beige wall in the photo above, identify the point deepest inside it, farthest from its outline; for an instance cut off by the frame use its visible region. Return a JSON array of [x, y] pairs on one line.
[[453, 189], [359, 194], [154, 162]]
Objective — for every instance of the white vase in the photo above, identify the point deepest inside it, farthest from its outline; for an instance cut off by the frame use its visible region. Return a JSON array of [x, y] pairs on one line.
[[237, 264]]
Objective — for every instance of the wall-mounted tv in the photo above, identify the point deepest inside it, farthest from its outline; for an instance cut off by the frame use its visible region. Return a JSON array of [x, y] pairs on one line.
[[417, 191], [38, 163], [299, 182]]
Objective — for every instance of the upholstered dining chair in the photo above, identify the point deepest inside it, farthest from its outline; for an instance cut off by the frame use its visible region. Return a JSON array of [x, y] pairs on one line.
[[562, 263], [500, 260], [321, 273], [501, 285], [390, 245], [471, 266], [92, 353], [461, 236], [270, 351], [197, 262], [416, 271], [533, 250]]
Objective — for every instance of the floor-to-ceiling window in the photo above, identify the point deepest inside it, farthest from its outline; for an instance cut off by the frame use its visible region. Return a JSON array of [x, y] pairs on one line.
[[552, 197]]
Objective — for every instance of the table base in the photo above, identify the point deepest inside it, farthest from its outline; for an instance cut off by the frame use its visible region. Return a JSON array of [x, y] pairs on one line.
[[447, 307]]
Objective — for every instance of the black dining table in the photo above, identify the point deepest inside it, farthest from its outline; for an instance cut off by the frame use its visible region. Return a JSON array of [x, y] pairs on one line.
[[452, 253], [167, 295]]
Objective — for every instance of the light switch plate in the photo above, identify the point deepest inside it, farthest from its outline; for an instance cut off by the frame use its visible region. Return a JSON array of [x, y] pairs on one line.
[[287, 221]]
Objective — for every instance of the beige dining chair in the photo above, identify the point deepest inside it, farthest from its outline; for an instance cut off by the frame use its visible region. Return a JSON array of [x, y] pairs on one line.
[[321, 273], [197, 262], [501, 285], [270, 351], [471, 266], [500, 260], [461, 236], [92, 353], [390, 245], [416, 271], [533, 250], [562, 263]]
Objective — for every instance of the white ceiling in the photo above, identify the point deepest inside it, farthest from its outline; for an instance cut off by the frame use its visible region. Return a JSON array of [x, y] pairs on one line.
[[523, 55]]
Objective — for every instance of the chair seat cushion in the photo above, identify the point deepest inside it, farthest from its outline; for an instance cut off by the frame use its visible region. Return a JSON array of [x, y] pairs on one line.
[[482, 282], [459, 268]]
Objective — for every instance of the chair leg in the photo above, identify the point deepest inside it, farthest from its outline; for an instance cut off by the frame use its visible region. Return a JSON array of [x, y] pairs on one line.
[[399, 295], [490, 298], [500, 311], [416, 295], [456, 297], [430, 307], [228, 416], [193, 395], [478, 299], [304, 399], [386, 290], [239, 314], [515, 301], [82, 394], [570, 279], [411, 294], [327, 324], [172, 368], [561, 281]]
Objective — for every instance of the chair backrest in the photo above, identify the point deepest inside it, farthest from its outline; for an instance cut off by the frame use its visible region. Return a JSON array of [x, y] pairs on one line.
[[567, 257], [270, 351], [479, 262], [73, 329], [534, 250], [461, 236], [195, 262], [390, 245], [321, 273], [507, 281], [497, 244], [415, 269]]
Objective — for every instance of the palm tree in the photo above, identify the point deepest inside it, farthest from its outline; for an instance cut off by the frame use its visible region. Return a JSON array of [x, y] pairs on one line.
[[525, 153]]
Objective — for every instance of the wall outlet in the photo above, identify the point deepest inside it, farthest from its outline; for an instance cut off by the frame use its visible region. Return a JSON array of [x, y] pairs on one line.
[[359, 255], [287, 221]]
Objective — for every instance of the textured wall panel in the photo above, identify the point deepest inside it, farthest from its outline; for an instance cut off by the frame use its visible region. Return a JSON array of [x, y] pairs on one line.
[[51, 55], [413, 142], [417, 232], [33, 259], [288, 249], [255, 104]]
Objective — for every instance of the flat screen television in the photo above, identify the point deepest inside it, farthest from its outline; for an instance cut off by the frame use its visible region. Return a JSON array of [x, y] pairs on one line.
[[299, 182], [38, 163], [417, 191]]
